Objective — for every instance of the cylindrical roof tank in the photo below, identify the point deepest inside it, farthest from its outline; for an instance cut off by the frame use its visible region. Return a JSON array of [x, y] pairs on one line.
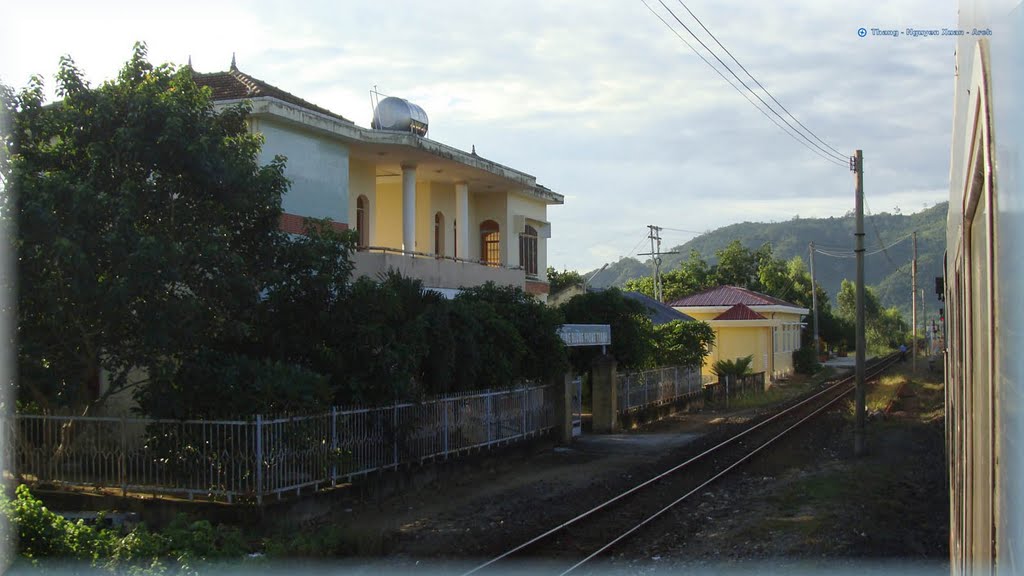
[[398, 114]]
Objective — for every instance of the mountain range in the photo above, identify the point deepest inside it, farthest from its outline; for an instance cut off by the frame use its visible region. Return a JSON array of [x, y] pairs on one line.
[[888, 252]]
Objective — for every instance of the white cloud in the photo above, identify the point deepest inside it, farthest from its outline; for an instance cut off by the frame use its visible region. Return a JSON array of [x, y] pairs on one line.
[[597, 99]]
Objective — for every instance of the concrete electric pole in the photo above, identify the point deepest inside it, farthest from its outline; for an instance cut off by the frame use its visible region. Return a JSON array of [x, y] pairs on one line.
[[814, 305], [859, 448], [913, 305], [655, 254]]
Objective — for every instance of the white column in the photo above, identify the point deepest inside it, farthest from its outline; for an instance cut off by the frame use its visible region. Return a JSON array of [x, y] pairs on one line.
[[409, 207], [462, 219]]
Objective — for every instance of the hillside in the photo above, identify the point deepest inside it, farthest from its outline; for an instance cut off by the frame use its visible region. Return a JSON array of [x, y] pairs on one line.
[[888, 271]]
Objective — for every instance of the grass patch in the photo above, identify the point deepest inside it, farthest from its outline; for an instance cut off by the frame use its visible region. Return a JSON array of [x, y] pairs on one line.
[[774, 395]]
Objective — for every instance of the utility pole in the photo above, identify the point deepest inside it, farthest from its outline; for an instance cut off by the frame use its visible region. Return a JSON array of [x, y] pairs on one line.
[[857, 165], [814, 305], [913, 306], [924, 318], [655, 236]]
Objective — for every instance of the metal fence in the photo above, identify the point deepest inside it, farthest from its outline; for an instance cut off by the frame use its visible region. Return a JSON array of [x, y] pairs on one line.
[[252, 459], [659, 386]]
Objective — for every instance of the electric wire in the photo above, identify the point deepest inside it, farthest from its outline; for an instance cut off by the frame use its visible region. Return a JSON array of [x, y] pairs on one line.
[[838, 154], [827, 157], [877, 235]]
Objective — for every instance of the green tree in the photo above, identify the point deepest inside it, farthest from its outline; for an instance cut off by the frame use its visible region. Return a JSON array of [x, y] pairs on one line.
[[680, 343], [632, 332], [558, 281], [544, 354], [737, 266], [144, 222]]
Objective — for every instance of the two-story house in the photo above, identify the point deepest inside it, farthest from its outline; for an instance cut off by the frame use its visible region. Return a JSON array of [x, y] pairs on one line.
[[446, 216]]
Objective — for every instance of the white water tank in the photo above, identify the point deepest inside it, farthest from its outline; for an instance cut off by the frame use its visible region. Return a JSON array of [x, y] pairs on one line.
[[400, 115]]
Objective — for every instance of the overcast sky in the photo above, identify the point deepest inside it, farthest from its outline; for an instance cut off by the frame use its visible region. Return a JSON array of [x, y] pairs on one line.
[[598, 99]]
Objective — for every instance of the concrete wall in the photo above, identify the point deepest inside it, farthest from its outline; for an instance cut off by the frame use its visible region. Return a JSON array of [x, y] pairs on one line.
[[318, 169], [436, 273]]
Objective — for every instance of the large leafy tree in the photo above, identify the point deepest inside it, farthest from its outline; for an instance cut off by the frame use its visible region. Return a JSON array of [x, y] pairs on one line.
[[632, 332], [680, 343], [143, 220]]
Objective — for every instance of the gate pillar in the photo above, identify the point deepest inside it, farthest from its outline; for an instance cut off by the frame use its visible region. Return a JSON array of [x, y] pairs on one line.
[[563, 407], [605, 395]]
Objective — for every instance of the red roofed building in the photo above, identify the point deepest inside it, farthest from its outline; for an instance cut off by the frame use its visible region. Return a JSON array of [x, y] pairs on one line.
[[748, 323]]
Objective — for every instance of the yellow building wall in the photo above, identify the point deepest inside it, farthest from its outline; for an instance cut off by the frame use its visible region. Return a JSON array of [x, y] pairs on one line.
[[733, 343], [533, 209], [388, 212], [362, 182], [489, 206], [442, 199]]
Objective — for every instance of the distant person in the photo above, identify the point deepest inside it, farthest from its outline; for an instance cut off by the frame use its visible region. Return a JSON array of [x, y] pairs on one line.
[[903, 352]]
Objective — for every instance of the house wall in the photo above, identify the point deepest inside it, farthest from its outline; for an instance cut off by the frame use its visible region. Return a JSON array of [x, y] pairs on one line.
[[732, 343], [489, 206], [389, 214], [318, 169], [442, 199], [531, 209], [362, 180]]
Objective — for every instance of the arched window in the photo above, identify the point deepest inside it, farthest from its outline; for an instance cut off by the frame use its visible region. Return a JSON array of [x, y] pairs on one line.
[[363, 220], [439, 234], [490, 243], [528, 250]]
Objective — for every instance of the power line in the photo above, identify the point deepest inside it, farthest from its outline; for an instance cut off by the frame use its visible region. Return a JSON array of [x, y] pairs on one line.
[[877, 235], [838, 154], [823, 153], [827, 157]]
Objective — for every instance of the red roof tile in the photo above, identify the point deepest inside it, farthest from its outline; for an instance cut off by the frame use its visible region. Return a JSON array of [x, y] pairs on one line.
[[237, 85], [740, 312], [730, 296]]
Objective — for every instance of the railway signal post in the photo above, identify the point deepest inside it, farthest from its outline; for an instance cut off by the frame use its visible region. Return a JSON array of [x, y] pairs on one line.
[[857, 165]]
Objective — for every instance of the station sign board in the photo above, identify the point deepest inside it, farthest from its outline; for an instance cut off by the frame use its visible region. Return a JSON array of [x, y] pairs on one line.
[[585, 334]]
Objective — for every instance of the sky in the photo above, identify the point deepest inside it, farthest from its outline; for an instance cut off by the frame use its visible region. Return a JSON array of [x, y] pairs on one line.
[[600, 100]]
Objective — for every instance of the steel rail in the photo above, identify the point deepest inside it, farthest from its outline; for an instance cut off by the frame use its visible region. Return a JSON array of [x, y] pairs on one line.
[[881, 366], [725, 471]]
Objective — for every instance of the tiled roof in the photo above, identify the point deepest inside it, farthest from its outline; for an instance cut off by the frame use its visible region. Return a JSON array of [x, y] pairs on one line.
[[739, 312], [658, 313], [236, 85], [730, 296]]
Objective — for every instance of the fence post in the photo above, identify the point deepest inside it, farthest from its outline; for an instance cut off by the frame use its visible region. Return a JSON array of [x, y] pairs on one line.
[[487, 416], [259, 459], [444, 440], [394, 433], [523, 403], [334, 445], [123, 463]]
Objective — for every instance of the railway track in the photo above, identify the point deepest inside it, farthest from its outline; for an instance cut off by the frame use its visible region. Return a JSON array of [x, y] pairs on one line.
[[587, 535]]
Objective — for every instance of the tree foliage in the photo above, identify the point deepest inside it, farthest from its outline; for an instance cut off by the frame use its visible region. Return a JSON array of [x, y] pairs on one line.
[[736, 367], [144, 222], [680, 343], [558, 281], [884, 328], [632, 331]]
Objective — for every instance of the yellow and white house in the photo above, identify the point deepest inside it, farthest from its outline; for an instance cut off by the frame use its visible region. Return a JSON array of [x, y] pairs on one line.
[[748, 323], [446, 216]]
